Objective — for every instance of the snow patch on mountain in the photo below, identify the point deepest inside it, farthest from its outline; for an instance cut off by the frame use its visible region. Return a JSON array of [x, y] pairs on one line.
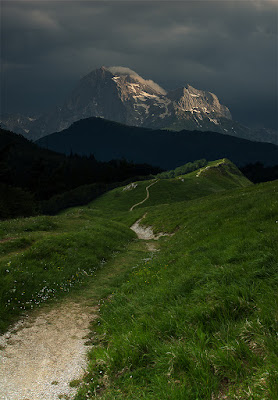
[[120, 94], [214, 121]]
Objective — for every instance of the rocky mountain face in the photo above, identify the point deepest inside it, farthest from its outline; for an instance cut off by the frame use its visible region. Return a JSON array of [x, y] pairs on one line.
[[17, 123], [120, 94]]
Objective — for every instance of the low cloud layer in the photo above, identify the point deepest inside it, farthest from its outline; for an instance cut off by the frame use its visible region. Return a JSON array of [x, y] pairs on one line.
[[227, 47], [128, 71]]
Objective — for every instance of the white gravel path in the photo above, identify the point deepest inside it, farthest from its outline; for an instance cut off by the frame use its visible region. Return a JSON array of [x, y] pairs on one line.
[[146, 232], [147, 196], [43, 354]]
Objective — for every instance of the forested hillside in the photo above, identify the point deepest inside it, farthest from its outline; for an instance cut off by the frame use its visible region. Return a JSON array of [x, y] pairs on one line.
[[30, 176]]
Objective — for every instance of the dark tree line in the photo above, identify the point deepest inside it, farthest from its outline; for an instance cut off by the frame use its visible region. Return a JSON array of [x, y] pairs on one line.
[[259, 173], [183, 169], [30, 176], [36, 180]]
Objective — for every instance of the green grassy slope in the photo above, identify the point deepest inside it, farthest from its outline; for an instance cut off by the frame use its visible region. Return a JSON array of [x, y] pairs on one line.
[[196, 320], [199, 319], [218, 176], [44, 257]]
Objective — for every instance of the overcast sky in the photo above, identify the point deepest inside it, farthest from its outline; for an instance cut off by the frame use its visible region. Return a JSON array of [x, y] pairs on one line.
[[226, 47]]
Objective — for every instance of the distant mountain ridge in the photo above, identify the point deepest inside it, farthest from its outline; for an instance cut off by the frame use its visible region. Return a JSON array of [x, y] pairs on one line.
[[17, 123], [111, 140], [120, 94]]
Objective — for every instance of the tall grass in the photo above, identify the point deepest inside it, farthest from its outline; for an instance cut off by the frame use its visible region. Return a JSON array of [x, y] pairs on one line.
[[198, 320]]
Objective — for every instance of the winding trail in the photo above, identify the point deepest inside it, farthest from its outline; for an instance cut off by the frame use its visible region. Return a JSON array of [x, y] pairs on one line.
[[44, 352], [147, 196], [146, 232]]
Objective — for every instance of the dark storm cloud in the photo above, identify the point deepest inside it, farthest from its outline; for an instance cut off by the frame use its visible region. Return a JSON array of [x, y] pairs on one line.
[[228, 47]]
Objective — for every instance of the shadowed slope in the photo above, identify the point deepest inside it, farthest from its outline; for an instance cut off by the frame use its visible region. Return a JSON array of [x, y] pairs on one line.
[[109, 140]]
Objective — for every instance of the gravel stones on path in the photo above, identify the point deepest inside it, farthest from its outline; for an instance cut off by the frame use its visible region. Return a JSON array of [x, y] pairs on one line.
[[44, 353]]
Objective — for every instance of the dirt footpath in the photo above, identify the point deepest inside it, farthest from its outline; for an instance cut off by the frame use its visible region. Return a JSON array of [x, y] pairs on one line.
[[45, 353]]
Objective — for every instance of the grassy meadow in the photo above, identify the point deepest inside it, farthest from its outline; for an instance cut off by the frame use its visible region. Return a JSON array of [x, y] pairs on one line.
[[196, 319], [43, 258]]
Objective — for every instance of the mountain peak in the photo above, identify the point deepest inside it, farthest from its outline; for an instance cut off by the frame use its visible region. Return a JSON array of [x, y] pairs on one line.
[[120, 94], [200, 102]]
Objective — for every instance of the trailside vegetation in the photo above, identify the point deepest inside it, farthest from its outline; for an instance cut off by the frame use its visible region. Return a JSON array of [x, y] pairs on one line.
[[198, 319], [43, 258], [184, 169]]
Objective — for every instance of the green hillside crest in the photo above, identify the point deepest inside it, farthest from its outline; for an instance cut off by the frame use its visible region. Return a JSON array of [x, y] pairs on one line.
[[191, 315]]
